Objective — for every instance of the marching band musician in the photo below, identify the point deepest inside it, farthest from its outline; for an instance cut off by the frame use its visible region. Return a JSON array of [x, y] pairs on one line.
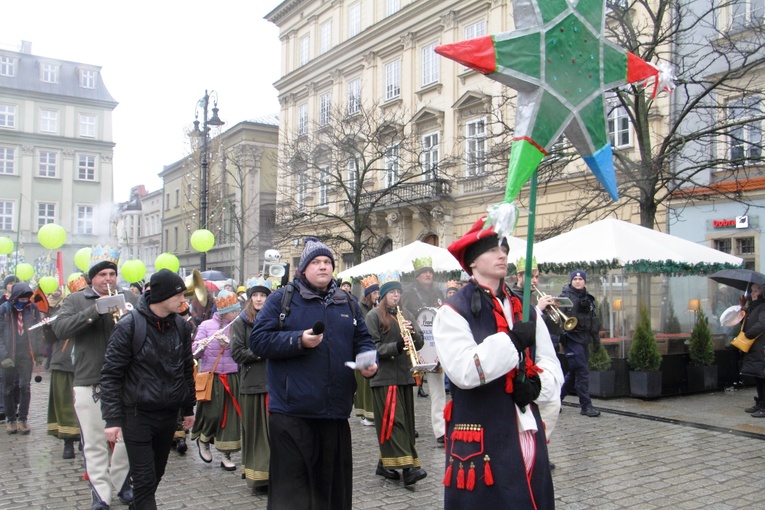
[[362, 401], [496, 453], [89, 330], [392, 385], [218, 420]]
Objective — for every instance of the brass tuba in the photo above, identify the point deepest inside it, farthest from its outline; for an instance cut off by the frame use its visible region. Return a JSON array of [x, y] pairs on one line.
[[555, 313], [411, 352], [195, 287]]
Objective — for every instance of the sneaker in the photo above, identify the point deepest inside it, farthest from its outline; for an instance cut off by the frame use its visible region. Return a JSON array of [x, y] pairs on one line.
[[760, 413], [24, 427], [590, 411], [367, 423], [756, 407], [204, 451], [11, 427], [226, 462]]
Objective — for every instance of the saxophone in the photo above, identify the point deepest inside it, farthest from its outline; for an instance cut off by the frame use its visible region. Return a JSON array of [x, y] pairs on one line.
[[408, 343]]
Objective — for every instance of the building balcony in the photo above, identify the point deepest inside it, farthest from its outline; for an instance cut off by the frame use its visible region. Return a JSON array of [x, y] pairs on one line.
[[406, 194]]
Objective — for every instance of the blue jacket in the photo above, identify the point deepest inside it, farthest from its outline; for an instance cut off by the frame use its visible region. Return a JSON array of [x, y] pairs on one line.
[[311, 383]]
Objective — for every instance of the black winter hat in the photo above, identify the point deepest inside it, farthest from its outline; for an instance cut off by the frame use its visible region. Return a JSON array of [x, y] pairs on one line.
[[164, 285]]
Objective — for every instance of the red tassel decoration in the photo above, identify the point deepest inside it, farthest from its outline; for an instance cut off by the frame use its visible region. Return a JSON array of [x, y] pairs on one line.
[[461, 477], [448, 411], [448, 474], [471, 477], [488, 475]]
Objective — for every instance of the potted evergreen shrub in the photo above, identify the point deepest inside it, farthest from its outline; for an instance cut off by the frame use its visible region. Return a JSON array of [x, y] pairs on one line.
[[602, 377], [702, 372], [644, 360]]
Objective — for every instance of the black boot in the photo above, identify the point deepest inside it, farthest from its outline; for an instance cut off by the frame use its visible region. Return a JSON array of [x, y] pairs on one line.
[[68, 449], [126, 494], [758, 404], [182, 447], [97, 503], [421, 392], [390, 474], [413, 475]]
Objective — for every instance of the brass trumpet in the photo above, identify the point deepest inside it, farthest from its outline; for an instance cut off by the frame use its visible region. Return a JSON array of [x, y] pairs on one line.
[[555, 313]]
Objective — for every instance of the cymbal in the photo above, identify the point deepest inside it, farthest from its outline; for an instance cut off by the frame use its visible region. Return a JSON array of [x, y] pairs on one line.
[[731, 316]]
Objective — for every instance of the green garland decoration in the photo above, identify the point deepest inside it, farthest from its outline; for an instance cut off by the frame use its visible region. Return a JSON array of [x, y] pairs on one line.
[[597, 266], [668, 267]]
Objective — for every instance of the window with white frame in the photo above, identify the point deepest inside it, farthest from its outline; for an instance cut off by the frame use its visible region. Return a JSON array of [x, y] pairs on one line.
[[352, 177], [87, 125], [430, 155], [6, 214], [745, 133], [86, 220], [7, 160], [477, 29], [354, 19], [619, 128], [302, 119], [323, 186], [325, 42], [302, 186], [7, 66], [391, 166], [392, 80], [325, 108], [7, 115], [87, 78], [304, 50], [49, 121], [392, 7], [429, 65], [745, 13], [475, 148], [86, 167], [48, 164], [46, 213], [354, 96], [49, 73]]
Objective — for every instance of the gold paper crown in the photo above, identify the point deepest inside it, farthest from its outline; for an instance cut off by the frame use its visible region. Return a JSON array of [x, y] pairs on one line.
[[228, 299], [520, 265], [77, 284], [389, 276], [422, 262], [452, 284], [370, 280], [104, 254]]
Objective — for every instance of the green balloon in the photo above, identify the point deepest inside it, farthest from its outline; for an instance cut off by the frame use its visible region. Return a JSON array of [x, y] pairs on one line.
[[48, 284], [6, 245], [51, 236], [133, 270], [24, 271], [167, 261], [82, 259], [202, 240]]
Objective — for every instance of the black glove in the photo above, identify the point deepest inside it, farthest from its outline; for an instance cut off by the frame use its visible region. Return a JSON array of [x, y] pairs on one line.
[[523, 335], [400, 345], [525, 389]]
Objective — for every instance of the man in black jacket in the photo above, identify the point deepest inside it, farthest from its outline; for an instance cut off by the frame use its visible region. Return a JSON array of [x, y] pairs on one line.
[[145, 380]]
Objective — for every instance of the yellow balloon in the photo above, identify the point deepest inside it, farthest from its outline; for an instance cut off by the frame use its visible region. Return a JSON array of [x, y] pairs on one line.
[[24, 271], [167, 261], [48, 284], [202, 240], [82, 259], [133, 270], [51, 236], [6, 245]]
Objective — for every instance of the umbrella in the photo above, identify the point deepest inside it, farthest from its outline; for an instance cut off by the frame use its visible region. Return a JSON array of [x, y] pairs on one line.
[[211, 286], [212, 274], [738, 278]]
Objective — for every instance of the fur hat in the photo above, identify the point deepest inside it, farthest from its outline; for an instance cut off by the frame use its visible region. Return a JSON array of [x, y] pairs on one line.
[[313, 248], [164, 284]]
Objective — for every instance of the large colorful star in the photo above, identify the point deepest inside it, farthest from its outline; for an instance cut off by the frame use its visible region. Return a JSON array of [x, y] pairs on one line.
[[561, 65]]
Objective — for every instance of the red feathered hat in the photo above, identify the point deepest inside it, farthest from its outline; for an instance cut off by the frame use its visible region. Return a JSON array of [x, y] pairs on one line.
[[476, 241]]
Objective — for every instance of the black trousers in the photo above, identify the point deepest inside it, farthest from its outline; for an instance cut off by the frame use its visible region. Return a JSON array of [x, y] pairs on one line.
[[311, 465], [148, 438]]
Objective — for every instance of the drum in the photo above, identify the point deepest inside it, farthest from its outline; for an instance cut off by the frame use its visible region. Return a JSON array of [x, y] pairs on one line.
[[427, 355]]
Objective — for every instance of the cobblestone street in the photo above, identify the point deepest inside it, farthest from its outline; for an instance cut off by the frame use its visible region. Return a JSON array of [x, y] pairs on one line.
[[690, 452]]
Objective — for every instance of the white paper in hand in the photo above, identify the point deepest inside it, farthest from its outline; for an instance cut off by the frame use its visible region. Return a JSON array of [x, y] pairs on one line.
[[363, 360]]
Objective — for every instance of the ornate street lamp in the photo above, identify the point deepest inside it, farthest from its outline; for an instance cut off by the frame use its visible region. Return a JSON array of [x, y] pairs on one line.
[[204, 133]]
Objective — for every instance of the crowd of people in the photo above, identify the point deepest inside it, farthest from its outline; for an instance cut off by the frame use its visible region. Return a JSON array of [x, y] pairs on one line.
[[276, 374]]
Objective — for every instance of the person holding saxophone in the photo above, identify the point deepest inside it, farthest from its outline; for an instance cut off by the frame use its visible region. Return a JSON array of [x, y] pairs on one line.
[[397, 338], [218, 420]]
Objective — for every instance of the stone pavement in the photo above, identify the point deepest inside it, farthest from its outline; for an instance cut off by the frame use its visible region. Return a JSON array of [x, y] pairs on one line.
[[691, 452]]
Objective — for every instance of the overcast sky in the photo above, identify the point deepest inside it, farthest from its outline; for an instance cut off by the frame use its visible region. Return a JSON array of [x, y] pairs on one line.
[[157, 59]]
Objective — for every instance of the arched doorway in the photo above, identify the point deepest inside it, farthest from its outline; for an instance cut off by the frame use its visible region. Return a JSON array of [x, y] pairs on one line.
[[430, 239], [386, 247]]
